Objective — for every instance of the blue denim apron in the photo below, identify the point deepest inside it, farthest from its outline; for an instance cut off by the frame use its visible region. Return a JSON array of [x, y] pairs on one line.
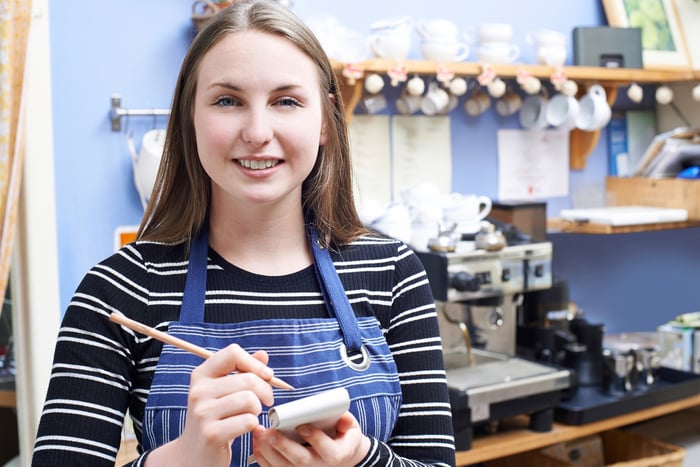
[[313, 355]]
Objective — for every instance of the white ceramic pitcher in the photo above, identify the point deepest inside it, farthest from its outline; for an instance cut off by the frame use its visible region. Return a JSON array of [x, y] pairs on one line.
[[145, 163]]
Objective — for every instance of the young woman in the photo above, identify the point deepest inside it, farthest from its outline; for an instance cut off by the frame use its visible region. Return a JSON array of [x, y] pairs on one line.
[[251, 247]]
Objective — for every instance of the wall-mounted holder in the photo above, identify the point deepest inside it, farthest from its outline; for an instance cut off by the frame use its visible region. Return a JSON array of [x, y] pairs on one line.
[[117, 112]]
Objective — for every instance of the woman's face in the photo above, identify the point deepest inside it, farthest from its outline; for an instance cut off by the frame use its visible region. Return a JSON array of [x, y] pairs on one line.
[[258, 120]]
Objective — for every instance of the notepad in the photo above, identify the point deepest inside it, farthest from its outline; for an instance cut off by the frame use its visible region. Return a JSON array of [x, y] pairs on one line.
[[625, 215]]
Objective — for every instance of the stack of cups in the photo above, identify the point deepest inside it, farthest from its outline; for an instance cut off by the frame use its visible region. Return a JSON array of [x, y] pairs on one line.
[[441, 41], [550, 46], [493, 43], [391, 38]]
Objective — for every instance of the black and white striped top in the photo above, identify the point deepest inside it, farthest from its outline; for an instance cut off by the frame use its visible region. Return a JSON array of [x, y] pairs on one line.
[[100, 370]]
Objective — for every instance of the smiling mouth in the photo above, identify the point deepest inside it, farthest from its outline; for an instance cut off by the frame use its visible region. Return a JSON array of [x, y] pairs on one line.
[[258, 164]]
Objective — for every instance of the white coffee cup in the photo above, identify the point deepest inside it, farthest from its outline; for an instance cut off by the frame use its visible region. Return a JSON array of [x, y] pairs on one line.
[[533, 113], [497, 52], [490, 32], [510, 103], [374, 83], [374, 103], [437, 29], [477, 103], [551, 55], [594, 111], [466, 210], [663, 95], [402, 25], [408, 104], [496, 88], [415, 86], [695, 92], [562, 111], [635, 93], [458, 86], [390, 46], [444, 51], [435, 100], [543, 37], [451, 104]]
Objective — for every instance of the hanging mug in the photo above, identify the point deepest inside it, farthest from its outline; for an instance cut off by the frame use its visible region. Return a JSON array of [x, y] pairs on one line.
[[594, 111]]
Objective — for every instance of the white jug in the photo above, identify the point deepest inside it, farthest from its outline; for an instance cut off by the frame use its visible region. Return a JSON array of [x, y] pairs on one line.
[[146, 162]]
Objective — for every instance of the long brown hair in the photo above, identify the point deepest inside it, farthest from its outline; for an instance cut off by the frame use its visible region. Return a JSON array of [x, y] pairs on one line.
[[180, 200]]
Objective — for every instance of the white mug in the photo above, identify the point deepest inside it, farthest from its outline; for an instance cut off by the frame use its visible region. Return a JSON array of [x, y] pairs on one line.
[[543, 37], [533, 113], [458, 86], [374, 103], [551, 55], [437, 29], [391, 46], [402, 26], [445, 51], [466, 210], [635, 93], [477, 103], [510, 103], [594, 112], [497, 52], [408, 104], [562, 111], [415, 86], [435, 100], [374, 83], [490, 32]]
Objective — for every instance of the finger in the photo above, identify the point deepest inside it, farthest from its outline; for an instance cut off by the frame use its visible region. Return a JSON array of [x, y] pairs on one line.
[[345, 423], [234, 358], [265, 447], [244, 392], [262, 356]]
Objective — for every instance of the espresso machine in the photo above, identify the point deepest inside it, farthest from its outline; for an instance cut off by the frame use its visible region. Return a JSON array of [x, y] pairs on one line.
[[478, 295]]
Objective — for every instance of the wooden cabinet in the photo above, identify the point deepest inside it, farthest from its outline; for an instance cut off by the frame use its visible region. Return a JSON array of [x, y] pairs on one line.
[[582, 143]]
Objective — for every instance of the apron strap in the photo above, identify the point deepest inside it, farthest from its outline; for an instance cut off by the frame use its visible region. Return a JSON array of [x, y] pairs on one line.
[[192, 309], [334, 295]]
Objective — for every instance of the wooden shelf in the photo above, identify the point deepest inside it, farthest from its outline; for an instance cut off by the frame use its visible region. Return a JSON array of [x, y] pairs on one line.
[[516, 438], [581, 143], [556, 225]]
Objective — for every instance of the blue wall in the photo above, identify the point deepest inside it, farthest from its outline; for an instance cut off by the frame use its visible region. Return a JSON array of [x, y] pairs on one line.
[[134, 48]]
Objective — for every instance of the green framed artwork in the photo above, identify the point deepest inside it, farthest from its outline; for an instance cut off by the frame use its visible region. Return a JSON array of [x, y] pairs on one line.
[[663, 43]]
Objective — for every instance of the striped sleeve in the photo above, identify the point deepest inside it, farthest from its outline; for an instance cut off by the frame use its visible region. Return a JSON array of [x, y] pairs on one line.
[[424, 427], [91, 378]]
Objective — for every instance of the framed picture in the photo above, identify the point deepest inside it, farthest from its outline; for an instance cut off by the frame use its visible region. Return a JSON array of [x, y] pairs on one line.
[[663, 44], [689, 18]]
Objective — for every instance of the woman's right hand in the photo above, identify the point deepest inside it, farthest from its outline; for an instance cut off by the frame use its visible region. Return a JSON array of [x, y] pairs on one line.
[[225, 398]]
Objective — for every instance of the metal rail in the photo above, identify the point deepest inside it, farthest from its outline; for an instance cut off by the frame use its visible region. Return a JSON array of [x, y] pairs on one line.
[[117, 112]]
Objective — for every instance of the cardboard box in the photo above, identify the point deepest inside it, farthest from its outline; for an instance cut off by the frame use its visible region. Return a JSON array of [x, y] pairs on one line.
[[657, 192]]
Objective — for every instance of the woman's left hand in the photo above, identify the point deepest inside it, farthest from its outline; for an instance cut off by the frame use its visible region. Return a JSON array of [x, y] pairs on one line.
[[347, 448]]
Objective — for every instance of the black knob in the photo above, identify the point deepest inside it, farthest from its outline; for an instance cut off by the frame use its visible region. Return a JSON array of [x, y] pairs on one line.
[[465, 282], [539, 270], [505, 275]]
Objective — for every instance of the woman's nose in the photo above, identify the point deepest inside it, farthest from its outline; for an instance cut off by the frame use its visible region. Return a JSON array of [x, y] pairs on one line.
[[257, 130]]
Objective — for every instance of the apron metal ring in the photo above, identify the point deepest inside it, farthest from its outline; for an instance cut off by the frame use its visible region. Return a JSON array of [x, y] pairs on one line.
[[361, 365]]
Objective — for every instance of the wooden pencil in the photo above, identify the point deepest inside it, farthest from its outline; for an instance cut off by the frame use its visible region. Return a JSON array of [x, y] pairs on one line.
[[177, 342]]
